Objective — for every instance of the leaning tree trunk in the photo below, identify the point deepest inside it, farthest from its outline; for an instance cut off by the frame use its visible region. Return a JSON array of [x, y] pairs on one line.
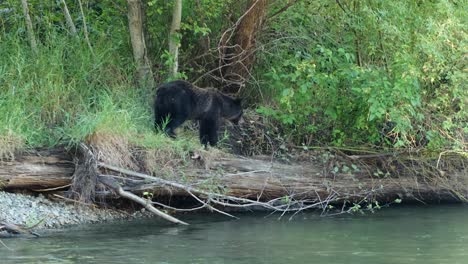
[[174, 38], [85, 27], [29, 27], [68, 18], [239, 44], [135, 24]]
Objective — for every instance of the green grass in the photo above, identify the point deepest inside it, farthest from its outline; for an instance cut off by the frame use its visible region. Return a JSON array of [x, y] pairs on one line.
[[63, 94]]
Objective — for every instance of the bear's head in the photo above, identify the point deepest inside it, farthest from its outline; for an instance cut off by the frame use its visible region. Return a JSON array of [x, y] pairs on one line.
[[232, 109]]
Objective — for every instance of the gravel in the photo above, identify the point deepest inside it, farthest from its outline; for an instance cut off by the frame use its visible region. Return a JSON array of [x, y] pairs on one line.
[[28, 210]]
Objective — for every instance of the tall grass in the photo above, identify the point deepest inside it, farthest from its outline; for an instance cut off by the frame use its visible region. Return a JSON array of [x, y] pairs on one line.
[[64, 93]]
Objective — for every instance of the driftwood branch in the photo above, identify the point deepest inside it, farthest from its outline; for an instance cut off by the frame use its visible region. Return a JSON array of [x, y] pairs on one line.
[[18, 229], [292, 202], [145, 203]]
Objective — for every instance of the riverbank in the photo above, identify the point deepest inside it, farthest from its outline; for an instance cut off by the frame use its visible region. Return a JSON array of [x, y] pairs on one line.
[[28, 210], [218, 181]]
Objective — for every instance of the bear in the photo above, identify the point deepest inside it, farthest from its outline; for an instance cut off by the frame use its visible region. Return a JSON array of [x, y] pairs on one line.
[[178, 101]]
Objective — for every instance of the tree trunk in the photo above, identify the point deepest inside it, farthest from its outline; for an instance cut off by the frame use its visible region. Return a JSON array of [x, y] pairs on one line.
[[85, 27], [32, 39], [239, 52], [174, 37], [135, 24], [68, 18]]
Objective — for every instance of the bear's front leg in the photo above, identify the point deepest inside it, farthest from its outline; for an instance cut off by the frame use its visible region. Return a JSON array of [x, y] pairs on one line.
[[209, 132]]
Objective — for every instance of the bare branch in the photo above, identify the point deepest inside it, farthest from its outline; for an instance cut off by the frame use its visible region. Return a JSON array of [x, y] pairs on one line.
[[284, 8], [276, 205], [145, 203]]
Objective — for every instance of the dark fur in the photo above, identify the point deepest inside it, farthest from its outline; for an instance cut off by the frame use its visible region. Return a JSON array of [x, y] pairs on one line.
[[178, 101]]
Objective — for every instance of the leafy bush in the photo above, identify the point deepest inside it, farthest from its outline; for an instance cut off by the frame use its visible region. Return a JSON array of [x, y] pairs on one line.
[[386, 73]]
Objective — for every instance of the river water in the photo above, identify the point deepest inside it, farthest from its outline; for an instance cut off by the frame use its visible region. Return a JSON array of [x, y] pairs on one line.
[[401, 234]]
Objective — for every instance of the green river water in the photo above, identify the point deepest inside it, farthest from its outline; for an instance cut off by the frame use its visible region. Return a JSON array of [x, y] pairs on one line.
[[401, 234]]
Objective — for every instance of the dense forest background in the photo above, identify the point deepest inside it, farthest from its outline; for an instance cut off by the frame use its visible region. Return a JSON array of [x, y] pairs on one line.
[[377, 74]]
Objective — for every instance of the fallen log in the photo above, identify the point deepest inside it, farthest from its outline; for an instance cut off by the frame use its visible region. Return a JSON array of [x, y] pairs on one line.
[[38, 169], [263, 179]]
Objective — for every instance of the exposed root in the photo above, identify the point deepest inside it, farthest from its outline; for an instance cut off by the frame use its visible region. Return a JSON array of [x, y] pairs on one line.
[[84, 179]]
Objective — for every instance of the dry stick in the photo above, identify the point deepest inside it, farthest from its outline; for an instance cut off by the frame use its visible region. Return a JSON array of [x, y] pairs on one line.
[[19, 229], [147, 204], [73, 201], [52, 189], [179, 209], [180, 186], [209, 206], [85, 28], [183, 187]]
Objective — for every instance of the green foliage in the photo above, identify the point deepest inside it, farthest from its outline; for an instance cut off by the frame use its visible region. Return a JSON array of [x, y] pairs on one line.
[[196, 16], [364, 72], [64, 93], [383, 72]]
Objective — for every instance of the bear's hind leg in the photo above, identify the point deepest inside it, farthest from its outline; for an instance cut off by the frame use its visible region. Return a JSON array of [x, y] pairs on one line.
[[174, 123]]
